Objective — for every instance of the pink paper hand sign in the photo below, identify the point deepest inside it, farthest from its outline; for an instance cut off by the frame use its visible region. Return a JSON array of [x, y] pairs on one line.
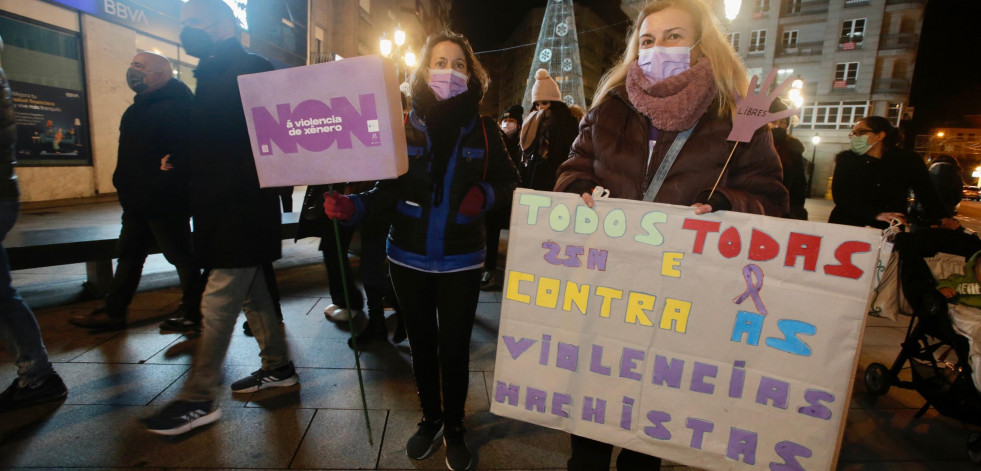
[[753, 111]]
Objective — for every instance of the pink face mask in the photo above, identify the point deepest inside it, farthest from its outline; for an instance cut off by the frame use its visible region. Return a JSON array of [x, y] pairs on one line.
[[659, 62], [447, 83]]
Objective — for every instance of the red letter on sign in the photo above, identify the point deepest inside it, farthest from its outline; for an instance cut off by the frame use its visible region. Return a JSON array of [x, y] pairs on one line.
[[729, 243], [844, 254], [702, 227], [762, 247], [806, 245]]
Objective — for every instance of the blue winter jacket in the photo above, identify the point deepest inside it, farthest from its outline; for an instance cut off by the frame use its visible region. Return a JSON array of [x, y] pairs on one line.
[[437, 238]]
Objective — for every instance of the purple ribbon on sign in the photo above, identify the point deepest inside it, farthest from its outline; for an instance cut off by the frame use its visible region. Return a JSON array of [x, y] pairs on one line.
[[753, 288]]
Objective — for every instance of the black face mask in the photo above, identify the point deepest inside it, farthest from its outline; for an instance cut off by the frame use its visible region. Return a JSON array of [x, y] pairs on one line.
[[196, 42], [134, 78]]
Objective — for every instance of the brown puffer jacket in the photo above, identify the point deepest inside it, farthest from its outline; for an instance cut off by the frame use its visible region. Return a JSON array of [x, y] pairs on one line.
[[612, 150]]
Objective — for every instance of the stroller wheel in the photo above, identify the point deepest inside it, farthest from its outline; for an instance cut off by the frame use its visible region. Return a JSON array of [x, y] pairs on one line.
[[877, 379], [974, 447]]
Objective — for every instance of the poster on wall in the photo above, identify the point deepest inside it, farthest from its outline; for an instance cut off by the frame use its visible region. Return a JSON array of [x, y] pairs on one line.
[[51, 125], [721, 341]]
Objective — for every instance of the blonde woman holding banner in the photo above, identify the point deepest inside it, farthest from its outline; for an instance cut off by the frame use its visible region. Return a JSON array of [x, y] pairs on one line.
[[658, 130]]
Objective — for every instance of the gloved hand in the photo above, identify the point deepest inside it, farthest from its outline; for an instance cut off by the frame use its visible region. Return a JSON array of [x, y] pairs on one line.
[[473, 202], [338, 206]]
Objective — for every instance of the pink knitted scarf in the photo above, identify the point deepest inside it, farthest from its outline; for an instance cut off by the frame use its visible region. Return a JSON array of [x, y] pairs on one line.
[[675, 103]]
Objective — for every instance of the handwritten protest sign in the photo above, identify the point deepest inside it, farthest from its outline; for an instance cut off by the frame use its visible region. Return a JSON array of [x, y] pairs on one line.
[[722, 341], [326, 123]]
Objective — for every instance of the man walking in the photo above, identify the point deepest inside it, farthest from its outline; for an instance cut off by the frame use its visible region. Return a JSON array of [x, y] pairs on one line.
[[155, 202], [36, 380], [236, 224]]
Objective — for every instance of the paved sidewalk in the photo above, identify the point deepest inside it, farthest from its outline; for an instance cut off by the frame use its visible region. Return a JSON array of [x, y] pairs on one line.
[[115, 379]]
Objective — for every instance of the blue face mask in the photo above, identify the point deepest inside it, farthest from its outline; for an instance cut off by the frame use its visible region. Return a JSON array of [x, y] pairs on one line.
[[659, 62]]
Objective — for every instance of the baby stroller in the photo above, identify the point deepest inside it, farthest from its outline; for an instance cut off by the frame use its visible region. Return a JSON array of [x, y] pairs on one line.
[[936, 354]]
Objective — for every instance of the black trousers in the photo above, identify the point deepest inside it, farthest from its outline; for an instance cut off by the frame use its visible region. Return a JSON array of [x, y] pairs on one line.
[[438, 310], [374, 273], [332, 262], [173, 237], [591, 455]]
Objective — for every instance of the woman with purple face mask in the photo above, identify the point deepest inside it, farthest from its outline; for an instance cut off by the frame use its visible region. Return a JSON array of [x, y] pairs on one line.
[[678, 76], [458, 169], [677, 79]]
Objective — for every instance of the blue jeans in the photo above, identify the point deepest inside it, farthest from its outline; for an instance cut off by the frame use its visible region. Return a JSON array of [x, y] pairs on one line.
[[17, 323]]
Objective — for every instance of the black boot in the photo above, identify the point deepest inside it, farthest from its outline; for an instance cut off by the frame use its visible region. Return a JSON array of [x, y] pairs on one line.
[[375, 330]]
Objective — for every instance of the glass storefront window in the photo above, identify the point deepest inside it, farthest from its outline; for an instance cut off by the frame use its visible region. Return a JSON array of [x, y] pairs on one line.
[[44, 67]]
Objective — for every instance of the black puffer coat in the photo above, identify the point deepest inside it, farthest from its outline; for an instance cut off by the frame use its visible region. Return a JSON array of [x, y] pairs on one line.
[[236, 224], [437, 238], [864, 186], [152, 127]]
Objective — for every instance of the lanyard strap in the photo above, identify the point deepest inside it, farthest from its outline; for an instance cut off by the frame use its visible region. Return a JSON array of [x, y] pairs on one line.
[[662, 170]]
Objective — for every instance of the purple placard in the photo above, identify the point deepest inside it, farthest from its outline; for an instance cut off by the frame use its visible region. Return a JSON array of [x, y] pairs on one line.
[[326, 123]]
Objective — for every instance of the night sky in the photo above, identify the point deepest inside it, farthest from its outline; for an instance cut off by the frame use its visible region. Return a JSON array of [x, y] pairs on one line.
[[489, 23], [947, 78]]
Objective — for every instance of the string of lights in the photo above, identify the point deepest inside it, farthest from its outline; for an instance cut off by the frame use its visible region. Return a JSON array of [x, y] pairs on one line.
[[536, 43]]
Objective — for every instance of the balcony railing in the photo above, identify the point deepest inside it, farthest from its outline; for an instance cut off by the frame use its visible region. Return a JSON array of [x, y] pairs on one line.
[[899, 41], [890, 85], [896, 2], [800, 49], [857, 3], [843, 85], [850, 43], [791, 8], [756, 50]]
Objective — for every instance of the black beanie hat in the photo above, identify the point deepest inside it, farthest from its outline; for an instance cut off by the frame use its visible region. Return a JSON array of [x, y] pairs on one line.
[[514, 111]]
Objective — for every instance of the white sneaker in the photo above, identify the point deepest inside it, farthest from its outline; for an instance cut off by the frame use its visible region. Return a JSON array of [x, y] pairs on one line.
[[330, 310], [339, 315]]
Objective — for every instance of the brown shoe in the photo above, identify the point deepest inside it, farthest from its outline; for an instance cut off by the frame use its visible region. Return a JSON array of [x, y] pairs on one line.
[[98, 319]]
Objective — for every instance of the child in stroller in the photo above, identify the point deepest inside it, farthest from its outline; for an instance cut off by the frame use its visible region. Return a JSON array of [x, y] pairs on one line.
[[938, 340]]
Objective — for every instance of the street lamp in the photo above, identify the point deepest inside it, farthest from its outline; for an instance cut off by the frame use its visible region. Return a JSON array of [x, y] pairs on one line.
[[396, 50], [810, 177], [796, 98], [732, 8], [385, 46]]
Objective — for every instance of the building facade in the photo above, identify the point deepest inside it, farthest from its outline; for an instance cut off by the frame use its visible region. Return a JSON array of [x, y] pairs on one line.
[[348, 28], [855, 58]]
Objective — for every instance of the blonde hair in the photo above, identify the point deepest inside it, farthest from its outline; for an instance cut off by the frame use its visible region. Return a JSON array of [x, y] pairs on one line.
[[727, 69], [478, 75]]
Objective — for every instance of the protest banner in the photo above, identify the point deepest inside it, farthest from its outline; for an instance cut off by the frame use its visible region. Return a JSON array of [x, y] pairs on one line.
[[720, 341], [334, 122]]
